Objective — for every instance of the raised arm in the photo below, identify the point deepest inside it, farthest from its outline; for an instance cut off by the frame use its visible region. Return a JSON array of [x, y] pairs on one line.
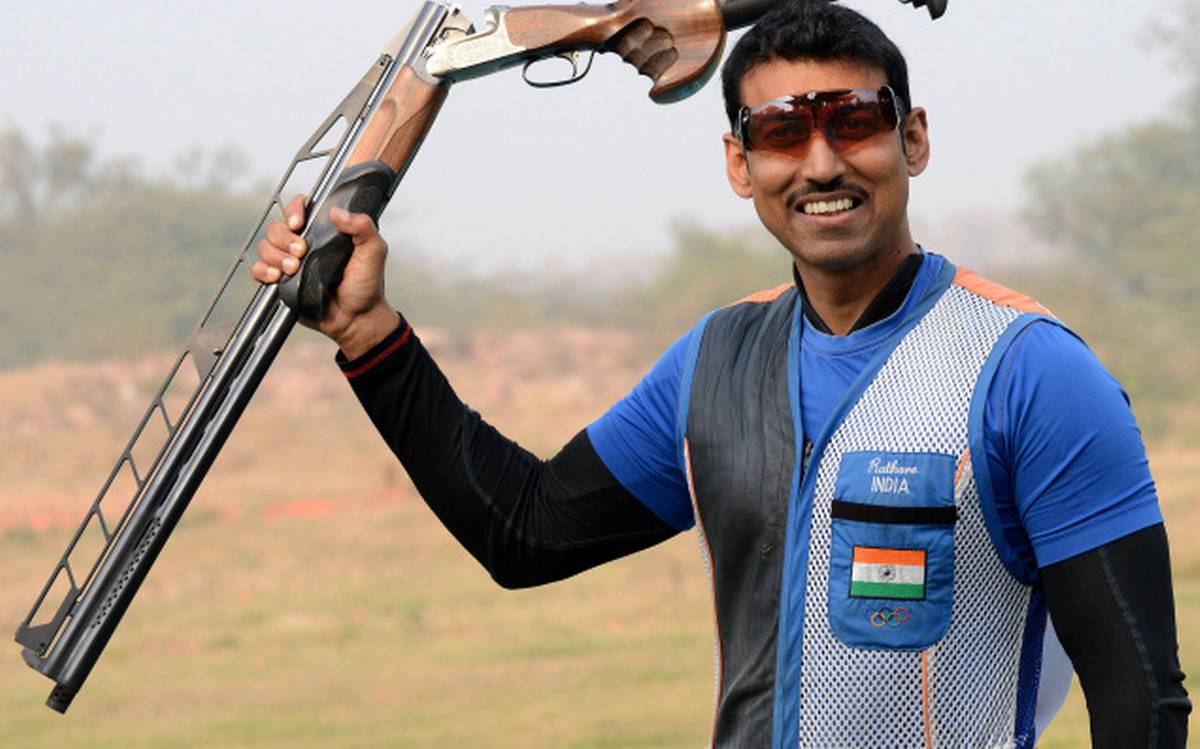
[[527, 521]]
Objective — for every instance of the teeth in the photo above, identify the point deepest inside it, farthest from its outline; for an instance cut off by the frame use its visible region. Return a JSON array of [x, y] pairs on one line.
[[830, 206]]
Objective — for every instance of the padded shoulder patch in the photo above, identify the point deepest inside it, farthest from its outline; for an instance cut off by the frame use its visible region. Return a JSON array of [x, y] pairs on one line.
[[763, 297], [1002, 295]]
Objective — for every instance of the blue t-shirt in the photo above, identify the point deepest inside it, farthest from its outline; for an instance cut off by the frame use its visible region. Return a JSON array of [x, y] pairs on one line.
[[1065, 455]]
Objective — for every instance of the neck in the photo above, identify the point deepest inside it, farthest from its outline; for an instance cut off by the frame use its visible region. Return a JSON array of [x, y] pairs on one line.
[[841, 296]]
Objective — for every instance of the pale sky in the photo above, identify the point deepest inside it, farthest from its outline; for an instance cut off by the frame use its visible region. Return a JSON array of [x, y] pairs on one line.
[[512, 174]]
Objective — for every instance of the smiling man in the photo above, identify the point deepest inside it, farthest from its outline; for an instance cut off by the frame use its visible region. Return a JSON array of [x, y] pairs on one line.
[[900, 472], [831, 190]]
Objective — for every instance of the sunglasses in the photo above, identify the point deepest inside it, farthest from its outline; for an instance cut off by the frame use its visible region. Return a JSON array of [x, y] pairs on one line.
[[846, 118]]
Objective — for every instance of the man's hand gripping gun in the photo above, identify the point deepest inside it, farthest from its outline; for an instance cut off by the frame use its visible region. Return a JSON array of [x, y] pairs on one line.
[[381, 122]]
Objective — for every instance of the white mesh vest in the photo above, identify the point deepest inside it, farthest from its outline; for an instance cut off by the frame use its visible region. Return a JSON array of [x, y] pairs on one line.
[[862, 602]]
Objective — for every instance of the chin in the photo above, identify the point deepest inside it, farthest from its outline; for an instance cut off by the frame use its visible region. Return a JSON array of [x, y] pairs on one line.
[[833, 257]]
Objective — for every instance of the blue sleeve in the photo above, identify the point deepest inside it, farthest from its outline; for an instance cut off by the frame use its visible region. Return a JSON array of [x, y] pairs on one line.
[[1065, 455], [636, 440]]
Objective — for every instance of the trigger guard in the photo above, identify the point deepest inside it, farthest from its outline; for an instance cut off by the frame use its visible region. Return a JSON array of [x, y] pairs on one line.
[[571, 56]]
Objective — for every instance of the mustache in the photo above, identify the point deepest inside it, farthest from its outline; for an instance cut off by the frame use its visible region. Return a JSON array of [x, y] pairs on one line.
[[820, 188]]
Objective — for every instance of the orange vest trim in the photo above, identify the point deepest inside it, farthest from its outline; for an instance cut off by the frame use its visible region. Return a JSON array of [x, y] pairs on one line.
[[763, 297], [1002, 295]]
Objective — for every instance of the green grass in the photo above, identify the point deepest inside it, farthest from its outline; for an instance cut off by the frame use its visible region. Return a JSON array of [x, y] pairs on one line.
[[346, 645], [369, 627]]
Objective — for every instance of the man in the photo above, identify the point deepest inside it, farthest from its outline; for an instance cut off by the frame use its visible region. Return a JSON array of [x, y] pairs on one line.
[[895, 466]]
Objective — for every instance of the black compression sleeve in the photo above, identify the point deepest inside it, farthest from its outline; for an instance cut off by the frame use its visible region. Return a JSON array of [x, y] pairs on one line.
[[526, 520], [1114, 612]]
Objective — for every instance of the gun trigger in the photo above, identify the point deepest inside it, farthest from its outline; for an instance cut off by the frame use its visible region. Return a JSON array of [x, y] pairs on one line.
[[571, 56]]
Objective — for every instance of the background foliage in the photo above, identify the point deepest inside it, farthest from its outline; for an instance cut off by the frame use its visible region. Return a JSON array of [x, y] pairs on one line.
[[1126, 206], [248, 643]]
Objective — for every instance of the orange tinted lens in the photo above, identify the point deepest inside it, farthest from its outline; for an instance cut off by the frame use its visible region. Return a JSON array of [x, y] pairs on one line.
[[845, 118], [780, 128], [854, 120]]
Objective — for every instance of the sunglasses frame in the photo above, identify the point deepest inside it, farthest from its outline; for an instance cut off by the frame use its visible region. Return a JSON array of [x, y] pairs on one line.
[[811, 99]]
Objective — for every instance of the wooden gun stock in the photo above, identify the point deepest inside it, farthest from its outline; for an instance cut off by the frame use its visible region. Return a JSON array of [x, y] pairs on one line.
[[676, 43]]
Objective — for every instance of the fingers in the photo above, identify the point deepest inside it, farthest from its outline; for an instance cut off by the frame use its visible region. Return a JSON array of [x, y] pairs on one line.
[[280, 252], [293, 212], [273, 263], [283, 238], [277, 254], [264, 273]]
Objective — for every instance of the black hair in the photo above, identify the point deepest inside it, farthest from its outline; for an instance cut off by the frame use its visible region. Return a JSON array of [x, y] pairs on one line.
[[818, 30]]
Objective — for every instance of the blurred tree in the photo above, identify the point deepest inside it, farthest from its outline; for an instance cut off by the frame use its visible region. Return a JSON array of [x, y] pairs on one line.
[[104, 260], [705, 270], [1127, 203], [38, 181], [108, 261], [18, 169], [1126, 207], [1181, 40]]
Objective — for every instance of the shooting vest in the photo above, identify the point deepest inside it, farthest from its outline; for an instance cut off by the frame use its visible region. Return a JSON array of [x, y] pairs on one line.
[[864, 594]]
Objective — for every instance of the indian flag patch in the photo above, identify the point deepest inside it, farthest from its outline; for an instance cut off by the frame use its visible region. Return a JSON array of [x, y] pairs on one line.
[[888, 573]]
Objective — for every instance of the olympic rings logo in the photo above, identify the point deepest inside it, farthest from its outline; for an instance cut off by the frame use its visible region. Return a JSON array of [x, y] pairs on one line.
[[886, 617]]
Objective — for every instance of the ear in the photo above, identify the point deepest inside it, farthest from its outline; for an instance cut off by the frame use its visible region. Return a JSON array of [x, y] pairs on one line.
[[737, 168], [916, 141]]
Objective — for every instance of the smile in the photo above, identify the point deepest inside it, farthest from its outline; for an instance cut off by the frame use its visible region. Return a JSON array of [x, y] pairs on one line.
[[827, 207]]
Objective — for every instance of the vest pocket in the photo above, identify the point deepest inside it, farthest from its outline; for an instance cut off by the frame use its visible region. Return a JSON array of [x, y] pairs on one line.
[[891, 564]]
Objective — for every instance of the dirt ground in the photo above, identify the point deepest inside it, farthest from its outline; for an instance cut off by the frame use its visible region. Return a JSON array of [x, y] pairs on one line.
[[308, 598]]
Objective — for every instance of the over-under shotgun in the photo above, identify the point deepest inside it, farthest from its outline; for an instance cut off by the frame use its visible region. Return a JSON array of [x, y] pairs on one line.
[[376, 132]]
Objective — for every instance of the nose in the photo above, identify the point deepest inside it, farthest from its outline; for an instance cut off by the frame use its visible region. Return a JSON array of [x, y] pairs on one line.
[[823, 162]]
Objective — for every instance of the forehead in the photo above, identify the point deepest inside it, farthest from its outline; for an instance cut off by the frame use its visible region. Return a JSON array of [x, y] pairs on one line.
[[778, 78]]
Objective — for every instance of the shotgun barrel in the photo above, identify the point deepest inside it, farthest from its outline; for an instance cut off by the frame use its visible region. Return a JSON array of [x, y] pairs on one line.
[[83, 602]]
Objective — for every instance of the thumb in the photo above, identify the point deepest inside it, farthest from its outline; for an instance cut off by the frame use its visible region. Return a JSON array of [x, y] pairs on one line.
[[358, 226], [369, 247]]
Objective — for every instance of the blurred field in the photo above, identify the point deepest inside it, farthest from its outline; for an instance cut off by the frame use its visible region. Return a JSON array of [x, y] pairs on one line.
[[308, 599]]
